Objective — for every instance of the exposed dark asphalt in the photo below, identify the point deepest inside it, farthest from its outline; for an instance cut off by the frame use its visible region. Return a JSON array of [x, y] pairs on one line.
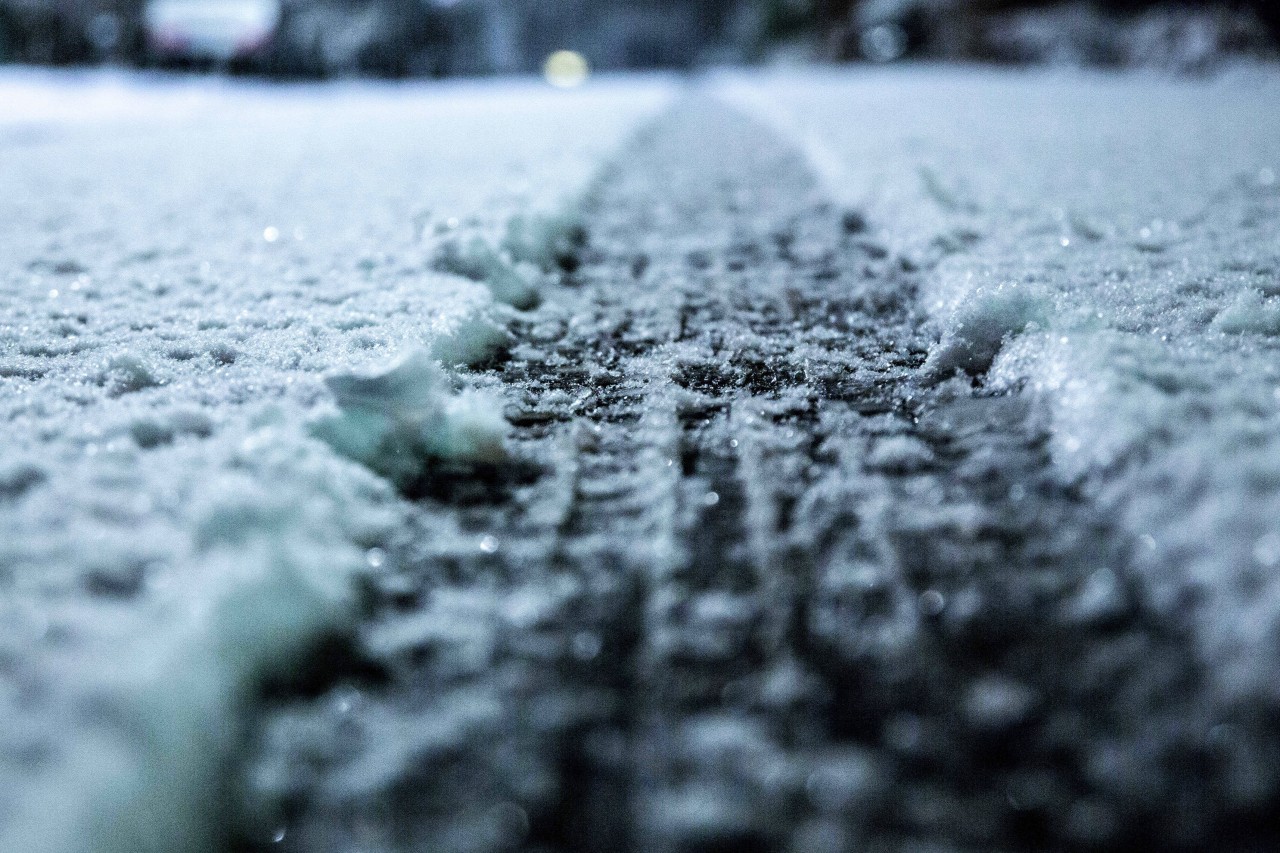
[[753, 586]]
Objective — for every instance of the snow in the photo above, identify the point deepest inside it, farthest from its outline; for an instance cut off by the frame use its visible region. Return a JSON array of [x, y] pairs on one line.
[[236, 321], [159, 588], [1250, 313], [1108, 245], [514, 265], [516, 284], [475, 339], [194, 274], [979, 325], [397, 421]]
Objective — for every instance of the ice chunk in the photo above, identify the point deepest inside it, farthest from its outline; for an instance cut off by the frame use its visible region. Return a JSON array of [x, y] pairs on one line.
[[399, 420]]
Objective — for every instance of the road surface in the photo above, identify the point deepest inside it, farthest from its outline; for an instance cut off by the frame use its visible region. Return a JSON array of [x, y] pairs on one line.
[[822, 461]]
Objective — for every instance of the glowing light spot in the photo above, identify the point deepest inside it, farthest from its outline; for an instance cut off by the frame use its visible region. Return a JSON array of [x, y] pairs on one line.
[[566, 69], [271, 233], [883, 43]]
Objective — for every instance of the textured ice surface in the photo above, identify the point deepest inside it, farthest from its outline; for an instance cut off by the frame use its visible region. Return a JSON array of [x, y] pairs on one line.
[[180, 266], [1144, 214]]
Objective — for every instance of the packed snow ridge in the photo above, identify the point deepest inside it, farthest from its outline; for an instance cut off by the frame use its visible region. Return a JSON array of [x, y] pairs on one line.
[[1108, 244]]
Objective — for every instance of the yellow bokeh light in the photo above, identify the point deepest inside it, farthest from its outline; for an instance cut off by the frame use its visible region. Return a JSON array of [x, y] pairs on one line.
[[566, 69]]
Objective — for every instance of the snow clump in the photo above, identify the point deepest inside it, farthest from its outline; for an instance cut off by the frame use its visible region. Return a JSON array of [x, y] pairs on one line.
[[1250, 313], [517, 266], [516, 283], [473, 339], [548, 240], [980, 326], [399, 420]]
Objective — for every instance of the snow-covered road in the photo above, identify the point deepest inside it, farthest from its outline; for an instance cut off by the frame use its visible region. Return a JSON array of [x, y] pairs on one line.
[[181, 264], [885, 458], [1126, 230]]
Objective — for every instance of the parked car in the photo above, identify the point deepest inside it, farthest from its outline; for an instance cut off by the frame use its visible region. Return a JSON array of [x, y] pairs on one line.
[[65, 32], [214, 32]]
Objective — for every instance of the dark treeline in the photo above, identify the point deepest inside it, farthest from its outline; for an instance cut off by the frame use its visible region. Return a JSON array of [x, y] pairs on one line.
[[467, 37]]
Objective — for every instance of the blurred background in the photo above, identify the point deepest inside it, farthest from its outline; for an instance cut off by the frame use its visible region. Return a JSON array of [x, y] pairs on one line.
[[396, 38]]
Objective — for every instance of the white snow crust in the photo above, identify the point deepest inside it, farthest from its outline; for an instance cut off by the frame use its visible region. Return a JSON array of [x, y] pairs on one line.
[[397, 420], [1111, 244], [182, 264]]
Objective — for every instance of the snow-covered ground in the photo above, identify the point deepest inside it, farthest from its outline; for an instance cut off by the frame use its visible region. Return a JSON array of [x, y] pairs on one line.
[[181, 265], [1111, 244], [203, 283]]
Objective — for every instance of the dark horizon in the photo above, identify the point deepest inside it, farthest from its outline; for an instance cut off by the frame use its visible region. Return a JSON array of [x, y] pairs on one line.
[[397, 38]]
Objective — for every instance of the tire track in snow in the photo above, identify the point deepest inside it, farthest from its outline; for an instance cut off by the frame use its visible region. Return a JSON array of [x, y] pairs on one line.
[[761, 589]]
